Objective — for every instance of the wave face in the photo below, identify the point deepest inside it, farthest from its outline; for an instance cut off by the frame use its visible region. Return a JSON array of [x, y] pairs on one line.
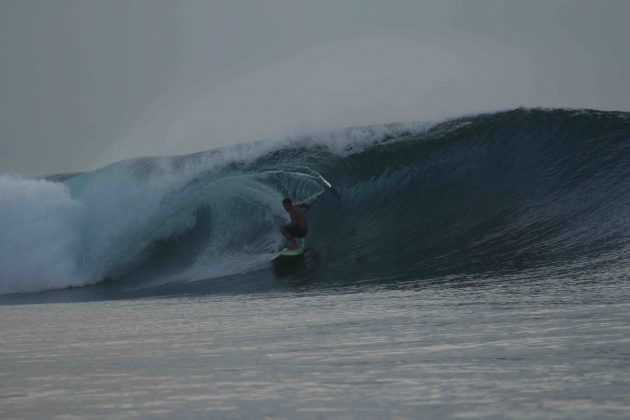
[[487, 195]]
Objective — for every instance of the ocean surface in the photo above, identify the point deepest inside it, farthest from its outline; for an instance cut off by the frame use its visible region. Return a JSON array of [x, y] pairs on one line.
[[474, 268]]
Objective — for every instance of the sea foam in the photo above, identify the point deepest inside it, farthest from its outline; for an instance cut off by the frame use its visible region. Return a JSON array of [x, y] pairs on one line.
[[41, 242]]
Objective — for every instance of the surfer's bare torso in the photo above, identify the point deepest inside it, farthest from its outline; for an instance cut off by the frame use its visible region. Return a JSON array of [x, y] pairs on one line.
[[297, 218], [298, 227]]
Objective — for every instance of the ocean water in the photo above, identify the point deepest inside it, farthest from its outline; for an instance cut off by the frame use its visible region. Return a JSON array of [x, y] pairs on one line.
[[558, 348], [475, 268]]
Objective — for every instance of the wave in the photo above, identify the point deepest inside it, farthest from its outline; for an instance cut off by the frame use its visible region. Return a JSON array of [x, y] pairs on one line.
[[493, 193]]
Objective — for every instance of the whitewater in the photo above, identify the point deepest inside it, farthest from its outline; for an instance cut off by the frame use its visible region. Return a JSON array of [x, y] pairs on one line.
[[475, 267]]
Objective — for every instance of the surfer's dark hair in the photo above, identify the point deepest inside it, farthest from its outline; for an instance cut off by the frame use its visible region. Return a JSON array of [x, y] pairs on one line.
[[287, 200]]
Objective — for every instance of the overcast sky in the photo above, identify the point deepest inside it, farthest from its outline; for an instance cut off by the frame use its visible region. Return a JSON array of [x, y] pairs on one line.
[[85, 83]]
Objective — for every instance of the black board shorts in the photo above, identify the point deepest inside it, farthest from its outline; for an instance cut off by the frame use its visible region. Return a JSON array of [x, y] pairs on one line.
[[296, 231]]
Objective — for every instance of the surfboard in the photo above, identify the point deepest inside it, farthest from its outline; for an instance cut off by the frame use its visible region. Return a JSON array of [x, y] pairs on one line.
[[288, 253]]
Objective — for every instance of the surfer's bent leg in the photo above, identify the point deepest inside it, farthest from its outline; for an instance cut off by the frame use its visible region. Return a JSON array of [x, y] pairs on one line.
[[290, 238]]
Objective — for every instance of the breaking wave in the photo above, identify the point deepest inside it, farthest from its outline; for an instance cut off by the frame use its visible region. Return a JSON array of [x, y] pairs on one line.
[[494, 193]]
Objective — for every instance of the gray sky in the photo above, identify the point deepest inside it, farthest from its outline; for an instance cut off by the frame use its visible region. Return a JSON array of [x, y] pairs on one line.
[[85, 83]]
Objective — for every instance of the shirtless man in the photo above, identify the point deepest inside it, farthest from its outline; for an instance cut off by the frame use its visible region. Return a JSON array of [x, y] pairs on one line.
[[298, 227]]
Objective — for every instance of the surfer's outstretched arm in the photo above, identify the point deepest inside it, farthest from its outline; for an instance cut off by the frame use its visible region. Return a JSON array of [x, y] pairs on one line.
[[304, 206]]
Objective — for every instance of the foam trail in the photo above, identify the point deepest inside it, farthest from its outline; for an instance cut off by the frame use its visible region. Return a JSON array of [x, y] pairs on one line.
[[40, 241]]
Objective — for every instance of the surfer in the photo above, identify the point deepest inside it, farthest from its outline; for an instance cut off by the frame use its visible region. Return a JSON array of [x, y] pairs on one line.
[[298, 228]]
